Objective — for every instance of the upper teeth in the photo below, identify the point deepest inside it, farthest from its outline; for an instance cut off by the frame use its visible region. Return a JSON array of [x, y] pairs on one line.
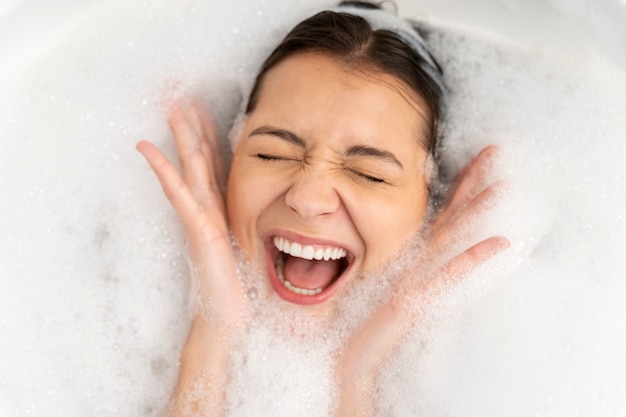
[[308, 251]]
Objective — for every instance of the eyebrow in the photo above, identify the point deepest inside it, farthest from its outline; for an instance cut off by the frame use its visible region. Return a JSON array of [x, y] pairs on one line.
[[281, 133], [353, 151], [362, 150]]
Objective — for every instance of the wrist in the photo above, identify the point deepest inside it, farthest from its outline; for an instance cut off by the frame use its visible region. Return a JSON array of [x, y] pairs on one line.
[[204, 364], [356, 390]]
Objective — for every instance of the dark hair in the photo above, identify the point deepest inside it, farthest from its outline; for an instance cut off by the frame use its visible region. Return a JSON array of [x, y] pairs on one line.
[[352, 40]]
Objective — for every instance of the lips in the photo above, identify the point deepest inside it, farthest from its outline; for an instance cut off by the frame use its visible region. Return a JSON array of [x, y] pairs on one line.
[[306, 272]]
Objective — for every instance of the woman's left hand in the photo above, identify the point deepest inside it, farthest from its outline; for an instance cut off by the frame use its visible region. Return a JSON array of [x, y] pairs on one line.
[[370, 345]]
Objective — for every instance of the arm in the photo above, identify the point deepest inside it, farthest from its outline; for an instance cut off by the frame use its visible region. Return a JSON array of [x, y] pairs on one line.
[[196, 195]]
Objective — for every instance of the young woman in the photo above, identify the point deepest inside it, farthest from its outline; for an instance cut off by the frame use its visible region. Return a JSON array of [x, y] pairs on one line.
[[329, 180]]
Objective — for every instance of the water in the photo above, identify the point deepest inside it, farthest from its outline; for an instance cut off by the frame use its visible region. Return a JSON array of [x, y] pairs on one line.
[[94, 288]]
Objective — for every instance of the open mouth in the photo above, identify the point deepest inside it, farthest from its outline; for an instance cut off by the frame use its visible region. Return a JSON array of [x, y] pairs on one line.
[[306, 273]]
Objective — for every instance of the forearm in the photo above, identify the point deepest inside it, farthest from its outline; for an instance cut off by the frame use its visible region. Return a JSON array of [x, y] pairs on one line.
[[356, 388], [203, 373]]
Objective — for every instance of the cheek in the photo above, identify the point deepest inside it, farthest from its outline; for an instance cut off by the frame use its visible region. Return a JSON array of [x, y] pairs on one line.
[[389, 224], [249, 194], [241, 206]]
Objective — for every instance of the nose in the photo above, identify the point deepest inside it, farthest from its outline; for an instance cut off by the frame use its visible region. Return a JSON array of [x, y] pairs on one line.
[[312, 196]]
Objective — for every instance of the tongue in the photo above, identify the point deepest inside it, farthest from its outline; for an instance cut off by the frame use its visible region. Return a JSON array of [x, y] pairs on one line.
[[310, 274]]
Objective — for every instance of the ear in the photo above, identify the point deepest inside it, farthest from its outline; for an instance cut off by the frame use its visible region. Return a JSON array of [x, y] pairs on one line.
[[429, 169], [237, 129]]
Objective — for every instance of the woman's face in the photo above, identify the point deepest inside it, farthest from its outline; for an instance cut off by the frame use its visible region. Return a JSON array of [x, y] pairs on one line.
[[328, 178]]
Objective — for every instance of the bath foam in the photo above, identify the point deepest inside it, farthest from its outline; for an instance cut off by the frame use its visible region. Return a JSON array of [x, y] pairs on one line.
[[94, 291]]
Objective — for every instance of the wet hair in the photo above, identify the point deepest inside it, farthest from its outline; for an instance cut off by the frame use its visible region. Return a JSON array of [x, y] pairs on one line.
[[352, 40]]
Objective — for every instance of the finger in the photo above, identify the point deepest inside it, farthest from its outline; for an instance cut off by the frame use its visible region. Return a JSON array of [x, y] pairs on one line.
[[460, 266], [373, 342], [185, 136], [174, 187], [196, 168], [460, 225], [212, 138], [468, 180], [415, 297], [409, 299], [211, 145]]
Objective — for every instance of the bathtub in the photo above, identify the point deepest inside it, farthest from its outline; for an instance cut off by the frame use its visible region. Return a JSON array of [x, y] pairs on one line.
[[94, 291]]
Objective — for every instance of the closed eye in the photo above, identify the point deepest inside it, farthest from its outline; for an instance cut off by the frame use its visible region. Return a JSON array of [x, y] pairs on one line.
[[367, 177], [267, 157]]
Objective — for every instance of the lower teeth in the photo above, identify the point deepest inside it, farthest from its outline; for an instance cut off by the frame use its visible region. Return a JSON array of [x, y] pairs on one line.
[[289, 285]]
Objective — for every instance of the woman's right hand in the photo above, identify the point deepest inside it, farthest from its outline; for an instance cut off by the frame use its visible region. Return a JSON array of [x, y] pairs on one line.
[[196, 194]]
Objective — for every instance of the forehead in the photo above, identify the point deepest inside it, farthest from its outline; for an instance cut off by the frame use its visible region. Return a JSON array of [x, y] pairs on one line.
[[316, 91]]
